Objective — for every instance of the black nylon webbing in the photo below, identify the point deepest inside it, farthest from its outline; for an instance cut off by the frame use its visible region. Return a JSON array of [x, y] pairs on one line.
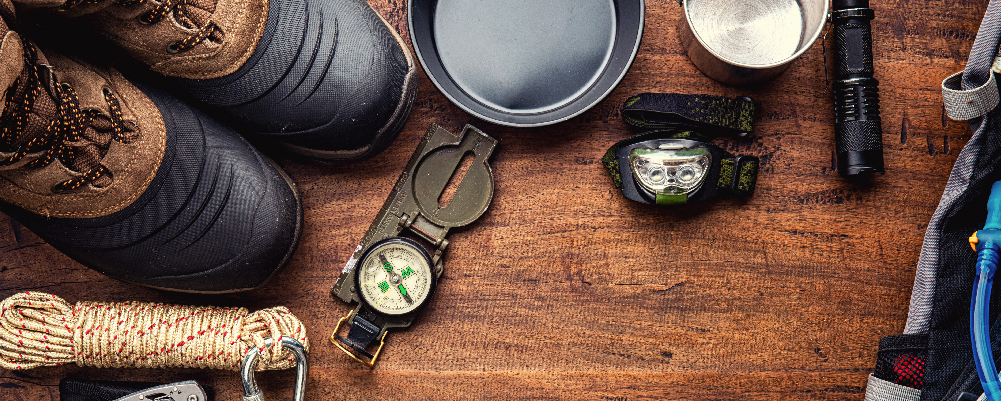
[[711, 116], [738, 175]]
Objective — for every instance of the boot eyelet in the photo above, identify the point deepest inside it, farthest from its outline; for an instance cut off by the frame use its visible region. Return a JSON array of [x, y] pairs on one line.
[[146, 18], [65, 186], [174, 48]]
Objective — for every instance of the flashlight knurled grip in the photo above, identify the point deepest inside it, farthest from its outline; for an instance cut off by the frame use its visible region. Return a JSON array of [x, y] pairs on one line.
[[857, 127]]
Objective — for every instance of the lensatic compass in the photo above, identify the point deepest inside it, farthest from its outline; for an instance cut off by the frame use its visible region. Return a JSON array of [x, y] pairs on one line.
[[394, 270], [395, 277]]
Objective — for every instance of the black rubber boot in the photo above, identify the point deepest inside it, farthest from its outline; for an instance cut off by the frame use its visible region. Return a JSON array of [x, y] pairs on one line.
[[326, 80], [218, 217], [329, 81], [212, 215]]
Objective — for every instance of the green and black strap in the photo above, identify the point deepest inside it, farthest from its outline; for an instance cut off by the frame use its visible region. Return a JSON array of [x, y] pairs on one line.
[[709, 116], [737, 174]]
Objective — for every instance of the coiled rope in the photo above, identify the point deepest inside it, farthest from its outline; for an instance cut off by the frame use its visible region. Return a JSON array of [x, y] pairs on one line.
[[39, 329]]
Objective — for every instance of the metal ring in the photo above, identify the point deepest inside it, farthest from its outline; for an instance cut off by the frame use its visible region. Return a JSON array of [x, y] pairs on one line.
[[250, 389]]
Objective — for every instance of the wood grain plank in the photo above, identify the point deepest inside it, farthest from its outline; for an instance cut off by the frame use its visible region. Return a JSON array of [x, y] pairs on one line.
[[566, 290]]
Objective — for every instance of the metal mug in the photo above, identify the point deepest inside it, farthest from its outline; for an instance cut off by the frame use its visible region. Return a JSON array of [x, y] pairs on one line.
[[740, 42]]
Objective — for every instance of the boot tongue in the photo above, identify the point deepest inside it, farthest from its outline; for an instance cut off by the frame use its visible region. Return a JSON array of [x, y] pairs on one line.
[[196, 13], [11, 61]]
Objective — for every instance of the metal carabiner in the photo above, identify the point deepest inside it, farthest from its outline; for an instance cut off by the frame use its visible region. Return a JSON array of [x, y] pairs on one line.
[[250, 390]]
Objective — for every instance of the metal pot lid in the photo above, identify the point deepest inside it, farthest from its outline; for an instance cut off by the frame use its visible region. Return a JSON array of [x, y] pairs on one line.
[[526, 63]]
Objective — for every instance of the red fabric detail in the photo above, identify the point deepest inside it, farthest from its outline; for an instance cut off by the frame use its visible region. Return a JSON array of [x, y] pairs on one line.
[[910, 370]]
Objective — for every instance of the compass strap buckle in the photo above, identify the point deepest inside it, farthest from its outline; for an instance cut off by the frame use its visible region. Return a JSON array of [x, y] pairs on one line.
[[360, 336]]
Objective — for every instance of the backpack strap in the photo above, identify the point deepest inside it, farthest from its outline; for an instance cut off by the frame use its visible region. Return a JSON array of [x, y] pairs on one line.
[[968, 104]]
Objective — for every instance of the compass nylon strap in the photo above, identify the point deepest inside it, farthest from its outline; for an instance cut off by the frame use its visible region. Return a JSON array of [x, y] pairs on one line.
[[362, 333], [711, 116]]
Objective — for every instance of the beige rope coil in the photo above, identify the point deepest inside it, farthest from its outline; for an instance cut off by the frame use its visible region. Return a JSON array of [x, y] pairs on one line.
[[39, 329]]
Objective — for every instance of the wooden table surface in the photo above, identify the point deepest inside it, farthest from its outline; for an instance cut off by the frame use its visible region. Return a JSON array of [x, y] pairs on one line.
[[566, 290]]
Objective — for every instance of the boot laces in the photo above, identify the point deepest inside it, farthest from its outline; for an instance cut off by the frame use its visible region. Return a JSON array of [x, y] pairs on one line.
[[158, 13], [77, 138]]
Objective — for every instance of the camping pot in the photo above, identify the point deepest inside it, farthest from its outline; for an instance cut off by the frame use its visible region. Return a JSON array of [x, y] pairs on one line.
[[740, 42]]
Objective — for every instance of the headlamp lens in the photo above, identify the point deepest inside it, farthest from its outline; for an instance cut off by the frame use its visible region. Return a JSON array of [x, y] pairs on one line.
[[670, 167]]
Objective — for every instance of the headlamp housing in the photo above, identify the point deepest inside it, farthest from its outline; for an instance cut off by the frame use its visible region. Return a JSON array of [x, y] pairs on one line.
[[670, 168]]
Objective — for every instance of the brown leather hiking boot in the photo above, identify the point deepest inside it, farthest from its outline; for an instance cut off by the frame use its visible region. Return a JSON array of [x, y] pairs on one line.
[[131, 182], [326, 79]]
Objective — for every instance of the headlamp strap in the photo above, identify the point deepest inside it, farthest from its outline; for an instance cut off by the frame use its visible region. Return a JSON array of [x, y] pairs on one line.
[[738, 175], [711, 116]]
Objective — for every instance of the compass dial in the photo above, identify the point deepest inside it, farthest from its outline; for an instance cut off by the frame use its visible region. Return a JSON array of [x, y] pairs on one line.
[[395, 276]]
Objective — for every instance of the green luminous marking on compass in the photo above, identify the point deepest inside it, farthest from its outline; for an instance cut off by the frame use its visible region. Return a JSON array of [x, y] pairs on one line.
[[388, 267], [384, 286], [407, 271], [403, 290]]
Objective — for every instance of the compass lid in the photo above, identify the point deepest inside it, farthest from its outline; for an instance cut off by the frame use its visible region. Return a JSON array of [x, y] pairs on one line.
[[436, 169]]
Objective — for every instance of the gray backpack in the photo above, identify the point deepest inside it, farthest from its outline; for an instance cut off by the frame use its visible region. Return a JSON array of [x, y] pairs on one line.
[[933, 358]]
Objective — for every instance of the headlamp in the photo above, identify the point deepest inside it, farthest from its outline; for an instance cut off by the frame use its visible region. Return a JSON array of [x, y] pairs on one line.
[[666, 168], [670, 167]]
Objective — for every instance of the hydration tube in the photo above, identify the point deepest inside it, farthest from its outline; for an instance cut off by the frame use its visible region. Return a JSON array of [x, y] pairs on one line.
[[987, 243]]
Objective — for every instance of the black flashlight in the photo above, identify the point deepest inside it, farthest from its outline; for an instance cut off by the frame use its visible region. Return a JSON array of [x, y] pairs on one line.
[[857, 131]]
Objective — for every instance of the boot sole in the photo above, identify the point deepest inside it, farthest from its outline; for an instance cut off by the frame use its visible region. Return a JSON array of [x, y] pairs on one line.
[[386, 135]]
